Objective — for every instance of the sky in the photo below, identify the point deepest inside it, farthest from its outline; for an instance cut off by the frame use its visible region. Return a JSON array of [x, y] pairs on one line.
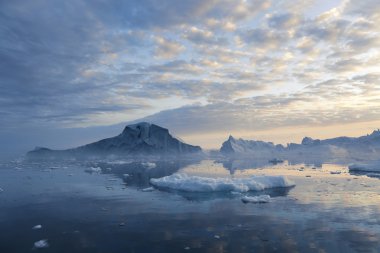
[[75, 71]]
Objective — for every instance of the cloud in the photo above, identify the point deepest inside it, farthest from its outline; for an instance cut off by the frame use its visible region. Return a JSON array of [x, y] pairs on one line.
[[167, 48], [256, 64]]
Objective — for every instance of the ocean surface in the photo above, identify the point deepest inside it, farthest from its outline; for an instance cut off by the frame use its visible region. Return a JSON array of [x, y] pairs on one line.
[[105, 206]]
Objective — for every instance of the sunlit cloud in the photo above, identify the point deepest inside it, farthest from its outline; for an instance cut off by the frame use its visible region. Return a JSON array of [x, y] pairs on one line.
[[218, 65]]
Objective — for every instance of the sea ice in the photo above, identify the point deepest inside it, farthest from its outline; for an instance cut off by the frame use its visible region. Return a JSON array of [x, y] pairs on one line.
[[1, 190], [149, 189], [256, 199], [94, 170], [41, 244], [37, 227], [188, 183], [149, 165], [373, 166]]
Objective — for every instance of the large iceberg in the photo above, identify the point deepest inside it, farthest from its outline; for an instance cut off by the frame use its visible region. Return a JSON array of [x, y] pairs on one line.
[[184, 182], [364, 147]]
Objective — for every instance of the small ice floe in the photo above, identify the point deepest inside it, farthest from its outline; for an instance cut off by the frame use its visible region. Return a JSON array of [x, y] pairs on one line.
[[373, 166], [184, 182], [41, 244], [112, 179], [335, 172], [149, 165], [37, 227], [1, 190], [216, 236], [256, 199], [94, 170], [125, 175], [149, 189], [108, 169], [119, 162], [70, 175], [235, 193], [187, 248]]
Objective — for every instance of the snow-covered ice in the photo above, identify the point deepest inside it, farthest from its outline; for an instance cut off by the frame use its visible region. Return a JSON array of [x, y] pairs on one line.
[[373, 166], [188, 183], [149, 165], [41, 244], [256, 199], [1, 190], [94, 170], [37, 227], [149, 189]]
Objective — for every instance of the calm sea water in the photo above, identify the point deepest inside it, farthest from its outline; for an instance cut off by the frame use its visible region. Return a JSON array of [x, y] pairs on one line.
[[80, 211]]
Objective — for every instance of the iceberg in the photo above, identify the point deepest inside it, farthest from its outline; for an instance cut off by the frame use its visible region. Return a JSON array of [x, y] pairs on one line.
[[149, 189], [94, 170], [149, 165], [41, 244], [256, 199], [184, 182]]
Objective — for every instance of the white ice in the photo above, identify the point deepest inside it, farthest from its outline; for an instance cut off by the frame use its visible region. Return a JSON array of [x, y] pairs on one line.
[[256, 199], [149, 189], [373, 166], [149, 165], [188, 183], [94, 170], [37, 227], [41, 244]]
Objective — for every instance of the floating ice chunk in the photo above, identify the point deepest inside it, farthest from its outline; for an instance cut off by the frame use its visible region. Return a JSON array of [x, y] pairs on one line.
[[125, 175], [216, 236], [41, 244], [1, 190], [94, 170], [119, 162], [373, 166], [149, 189], [109, 169], [37, 227], [149, 165], [187, 248], [184, 182], [256, 199]]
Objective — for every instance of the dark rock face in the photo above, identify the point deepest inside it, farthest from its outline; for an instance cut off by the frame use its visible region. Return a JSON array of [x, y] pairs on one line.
[[138, 139]]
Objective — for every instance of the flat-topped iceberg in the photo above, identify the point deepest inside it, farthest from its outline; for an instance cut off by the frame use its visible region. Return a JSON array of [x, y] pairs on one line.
[[184, 182]]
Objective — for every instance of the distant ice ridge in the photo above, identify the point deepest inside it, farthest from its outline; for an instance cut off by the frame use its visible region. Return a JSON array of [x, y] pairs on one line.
[[184, 182], [373, 166]]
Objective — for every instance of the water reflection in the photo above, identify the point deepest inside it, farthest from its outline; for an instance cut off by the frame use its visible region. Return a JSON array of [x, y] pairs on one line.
[[325, 212]]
